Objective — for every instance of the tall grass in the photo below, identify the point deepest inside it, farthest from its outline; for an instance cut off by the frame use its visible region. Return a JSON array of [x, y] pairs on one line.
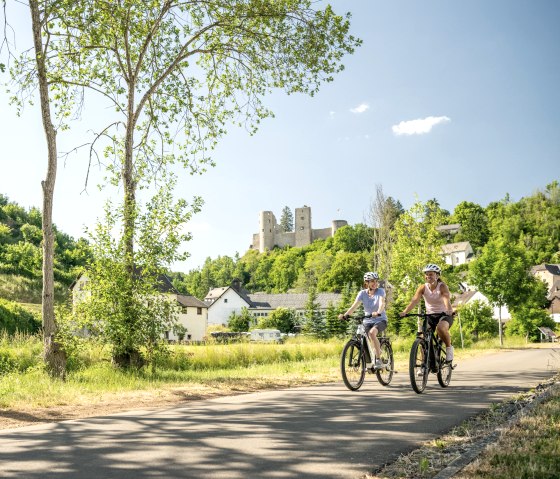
[[25, 383]]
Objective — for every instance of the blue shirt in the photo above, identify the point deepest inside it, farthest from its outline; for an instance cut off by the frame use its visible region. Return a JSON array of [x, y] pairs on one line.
[[371, 303]]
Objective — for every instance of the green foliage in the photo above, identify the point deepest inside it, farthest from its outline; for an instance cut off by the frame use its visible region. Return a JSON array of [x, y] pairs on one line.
[[14, 318], [335, 327], [128, 311], [282, 319], [240, 323], [287, 220], [533, 222], [476, 320], [314, 324], [501, 273], [416, 243], [528, 315], [474, 224]]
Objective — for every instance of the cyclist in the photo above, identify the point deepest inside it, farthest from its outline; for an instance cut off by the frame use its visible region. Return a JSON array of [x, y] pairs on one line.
[[438, 305], [373, 299]]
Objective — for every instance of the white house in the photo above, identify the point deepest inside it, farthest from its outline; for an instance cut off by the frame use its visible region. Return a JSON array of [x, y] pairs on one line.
[[457, 253], [222, 302], [472, 295]]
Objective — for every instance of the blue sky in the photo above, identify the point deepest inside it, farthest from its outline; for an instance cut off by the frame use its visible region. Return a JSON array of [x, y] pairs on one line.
[[445, 99]]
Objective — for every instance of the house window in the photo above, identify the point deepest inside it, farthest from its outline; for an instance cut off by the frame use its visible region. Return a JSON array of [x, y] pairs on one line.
[[189, 336], [184, 310], [198, 310], [225, 300], [166, 334]]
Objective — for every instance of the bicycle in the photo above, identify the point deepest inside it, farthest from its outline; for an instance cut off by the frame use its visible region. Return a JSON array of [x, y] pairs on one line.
[[428, 355], [357, 357]]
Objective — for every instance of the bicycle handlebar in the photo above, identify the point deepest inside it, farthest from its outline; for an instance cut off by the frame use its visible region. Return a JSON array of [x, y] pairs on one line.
[[423, 315]]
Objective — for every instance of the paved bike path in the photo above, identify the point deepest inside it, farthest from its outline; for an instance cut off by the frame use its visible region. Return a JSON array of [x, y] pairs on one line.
[[320, 431]]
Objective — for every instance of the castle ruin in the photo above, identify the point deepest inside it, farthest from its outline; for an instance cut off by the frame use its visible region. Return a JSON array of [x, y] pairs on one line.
[[271, 234]]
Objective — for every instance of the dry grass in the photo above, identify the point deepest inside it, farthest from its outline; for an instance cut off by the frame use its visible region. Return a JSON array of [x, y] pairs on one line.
[[522, 445]]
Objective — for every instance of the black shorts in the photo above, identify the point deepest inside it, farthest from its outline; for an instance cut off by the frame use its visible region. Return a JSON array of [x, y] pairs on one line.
[[435, 318]]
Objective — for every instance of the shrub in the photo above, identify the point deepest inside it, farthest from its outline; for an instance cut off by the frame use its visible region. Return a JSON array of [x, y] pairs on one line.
[[14, 318]]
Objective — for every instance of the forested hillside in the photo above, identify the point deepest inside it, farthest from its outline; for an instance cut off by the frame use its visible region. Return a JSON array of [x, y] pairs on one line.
[[532, 222], [21, 255], [328, 265]]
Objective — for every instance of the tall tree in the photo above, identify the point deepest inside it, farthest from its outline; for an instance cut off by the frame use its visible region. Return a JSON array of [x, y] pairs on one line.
[[501, 273], [314, 324], [287, 220], [178, 72], [32, 72], [474, 224], [383, 213]]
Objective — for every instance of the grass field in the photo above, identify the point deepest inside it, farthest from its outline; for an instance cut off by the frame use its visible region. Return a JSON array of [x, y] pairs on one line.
[[93, 387]]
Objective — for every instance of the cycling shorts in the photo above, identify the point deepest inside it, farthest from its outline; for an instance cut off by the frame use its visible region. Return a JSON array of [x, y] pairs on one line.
[[435, 318]]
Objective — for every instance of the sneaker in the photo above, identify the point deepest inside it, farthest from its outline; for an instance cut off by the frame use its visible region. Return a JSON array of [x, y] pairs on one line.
[[449, 354], [378, 363], [420, 372]]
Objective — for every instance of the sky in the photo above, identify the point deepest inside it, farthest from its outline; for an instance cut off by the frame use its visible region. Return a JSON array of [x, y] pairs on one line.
[[458, 101]]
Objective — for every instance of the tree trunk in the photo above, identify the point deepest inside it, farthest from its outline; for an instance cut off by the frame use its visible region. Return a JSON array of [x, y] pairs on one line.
[[54, 354], [129, 356], [500, 325]]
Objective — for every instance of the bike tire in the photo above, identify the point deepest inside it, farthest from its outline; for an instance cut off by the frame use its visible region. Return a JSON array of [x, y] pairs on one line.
[[353, 365], [444, 371], [417, 366], [385, 374]]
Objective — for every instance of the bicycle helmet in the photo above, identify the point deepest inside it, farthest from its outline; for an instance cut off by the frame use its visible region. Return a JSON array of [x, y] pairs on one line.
[[369, 276], [432, 267]]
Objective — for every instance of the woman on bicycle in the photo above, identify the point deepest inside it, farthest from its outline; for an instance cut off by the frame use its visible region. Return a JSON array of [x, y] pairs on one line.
[[438, 305], [373, 299]]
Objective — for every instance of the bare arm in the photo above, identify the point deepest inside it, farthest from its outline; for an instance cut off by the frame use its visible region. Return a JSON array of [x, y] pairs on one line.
[[446, 296], [415, 300], [351, 309]]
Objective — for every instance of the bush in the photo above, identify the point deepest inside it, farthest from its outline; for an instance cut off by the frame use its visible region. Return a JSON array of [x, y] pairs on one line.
[[14, 318]]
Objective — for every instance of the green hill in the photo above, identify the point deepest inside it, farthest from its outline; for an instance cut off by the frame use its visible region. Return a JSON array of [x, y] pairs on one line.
[[21, 255]]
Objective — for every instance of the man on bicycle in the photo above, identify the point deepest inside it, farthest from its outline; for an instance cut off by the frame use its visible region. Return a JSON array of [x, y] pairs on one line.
[[438, 305], [373, 299]]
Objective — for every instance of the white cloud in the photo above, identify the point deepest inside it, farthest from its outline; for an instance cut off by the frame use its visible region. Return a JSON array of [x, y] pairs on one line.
[[360, 108], [331, 115], [420, 126]]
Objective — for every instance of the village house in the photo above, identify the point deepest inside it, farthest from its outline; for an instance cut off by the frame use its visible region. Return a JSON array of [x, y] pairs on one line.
[[469, 296], [193, 314], [550, 274], [457, 253], [224, 301]]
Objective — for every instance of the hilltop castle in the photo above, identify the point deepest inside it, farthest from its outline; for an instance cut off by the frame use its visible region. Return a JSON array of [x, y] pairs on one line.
[[271, 235]]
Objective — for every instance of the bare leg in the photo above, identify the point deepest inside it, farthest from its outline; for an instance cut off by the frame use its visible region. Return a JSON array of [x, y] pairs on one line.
[[373, 336], [443, 332]]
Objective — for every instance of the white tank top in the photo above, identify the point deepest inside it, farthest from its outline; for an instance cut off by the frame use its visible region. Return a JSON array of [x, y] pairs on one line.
[[434, 300]]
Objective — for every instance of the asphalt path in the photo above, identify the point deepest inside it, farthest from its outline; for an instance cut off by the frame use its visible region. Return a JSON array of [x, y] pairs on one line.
[[323, 431]]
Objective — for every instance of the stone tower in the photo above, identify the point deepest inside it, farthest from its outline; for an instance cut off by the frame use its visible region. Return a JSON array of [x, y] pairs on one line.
[[267, 223], [302, 222]]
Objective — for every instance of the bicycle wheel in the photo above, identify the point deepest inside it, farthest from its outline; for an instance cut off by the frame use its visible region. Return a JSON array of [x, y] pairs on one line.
[[385, 374], [353, 365], [444, 371], [417, 367]]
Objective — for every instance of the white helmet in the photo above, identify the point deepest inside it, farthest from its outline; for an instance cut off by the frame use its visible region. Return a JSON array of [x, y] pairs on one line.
[[370, 276], [432, 267]]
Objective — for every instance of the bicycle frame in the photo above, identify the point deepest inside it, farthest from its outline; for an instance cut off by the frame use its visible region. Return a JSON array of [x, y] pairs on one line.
[[358, 357], [428, 355]]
